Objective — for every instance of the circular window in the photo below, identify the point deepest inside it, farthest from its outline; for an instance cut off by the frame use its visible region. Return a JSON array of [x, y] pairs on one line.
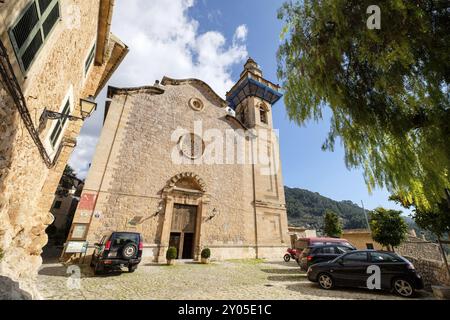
[[192, 145], [196, 104]]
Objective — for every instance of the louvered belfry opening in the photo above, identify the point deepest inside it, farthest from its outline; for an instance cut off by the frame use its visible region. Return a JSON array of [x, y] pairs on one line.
[[33, 27]]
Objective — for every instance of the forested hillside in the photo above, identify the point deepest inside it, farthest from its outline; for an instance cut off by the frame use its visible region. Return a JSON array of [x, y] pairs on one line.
[[306, 209]]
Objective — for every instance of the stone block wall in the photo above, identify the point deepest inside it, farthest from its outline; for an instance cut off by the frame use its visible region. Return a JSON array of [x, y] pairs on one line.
[[133, 165], [27, 186], [432, 271], [419, 248]]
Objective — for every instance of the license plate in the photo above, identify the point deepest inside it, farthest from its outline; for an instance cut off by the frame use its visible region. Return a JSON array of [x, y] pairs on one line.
[[112, 254]]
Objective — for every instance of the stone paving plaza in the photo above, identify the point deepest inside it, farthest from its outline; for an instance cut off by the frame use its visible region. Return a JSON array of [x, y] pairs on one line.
[[234, 279]]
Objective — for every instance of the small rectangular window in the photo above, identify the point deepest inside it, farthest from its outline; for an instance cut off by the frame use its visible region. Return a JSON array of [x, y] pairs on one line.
[[89, 60], [263, 115], [57, 205], [79, 230], [32, 28]]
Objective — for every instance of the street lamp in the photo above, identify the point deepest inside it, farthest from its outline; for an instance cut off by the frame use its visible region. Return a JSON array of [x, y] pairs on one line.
[[87, 106]]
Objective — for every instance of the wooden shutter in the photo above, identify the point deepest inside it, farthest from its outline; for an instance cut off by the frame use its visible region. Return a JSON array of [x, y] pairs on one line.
[[33, 26]]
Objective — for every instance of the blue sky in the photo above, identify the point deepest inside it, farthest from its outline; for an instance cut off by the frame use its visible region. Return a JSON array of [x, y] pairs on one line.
[[181, 38], [304, 164]]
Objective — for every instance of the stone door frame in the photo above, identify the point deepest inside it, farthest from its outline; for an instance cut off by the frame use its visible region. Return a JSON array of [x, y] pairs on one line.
[[194, 197]]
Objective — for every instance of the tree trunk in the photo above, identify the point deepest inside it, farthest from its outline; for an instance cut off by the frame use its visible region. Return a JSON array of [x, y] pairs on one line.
[[444, 256]]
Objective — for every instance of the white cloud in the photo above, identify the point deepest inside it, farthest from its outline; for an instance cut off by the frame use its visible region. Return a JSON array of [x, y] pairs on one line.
[[163, 41], [82, 156], [241, 32]]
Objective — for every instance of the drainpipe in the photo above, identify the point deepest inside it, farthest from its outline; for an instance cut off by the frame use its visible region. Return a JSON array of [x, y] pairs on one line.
[[254, 200]]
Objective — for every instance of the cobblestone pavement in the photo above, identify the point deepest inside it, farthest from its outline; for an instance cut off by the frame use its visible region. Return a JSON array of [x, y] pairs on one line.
[[235, 279]]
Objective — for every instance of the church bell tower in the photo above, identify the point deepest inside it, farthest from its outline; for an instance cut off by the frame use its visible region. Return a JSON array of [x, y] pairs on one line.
[[252, 98]]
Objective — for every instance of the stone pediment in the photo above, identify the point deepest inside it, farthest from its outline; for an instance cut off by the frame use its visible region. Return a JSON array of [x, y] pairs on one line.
[[198, 83]]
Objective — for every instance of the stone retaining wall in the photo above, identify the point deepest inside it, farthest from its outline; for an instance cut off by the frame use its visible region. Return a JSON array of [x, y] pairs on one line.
[[432, 271], [419, 248]]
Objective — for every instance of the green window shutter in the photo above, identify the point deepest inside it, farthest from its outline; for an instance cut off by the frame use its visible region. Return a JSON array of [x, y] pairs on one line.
[[51, 20], [31, 51], [25, 25], [89, 60], [59, 126], [33, 26], [43, 5]]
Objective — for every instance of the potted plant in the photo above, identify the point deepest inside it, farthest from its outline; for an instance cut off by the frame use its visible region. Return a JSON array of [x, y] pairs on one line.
[[206, 254], [171, 255]]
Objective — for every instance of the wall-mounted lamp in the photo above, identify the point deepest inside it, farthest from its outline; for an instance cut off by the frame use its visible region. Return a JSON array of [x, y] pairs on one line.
[[214, 213], [87, 107], [159, 209]]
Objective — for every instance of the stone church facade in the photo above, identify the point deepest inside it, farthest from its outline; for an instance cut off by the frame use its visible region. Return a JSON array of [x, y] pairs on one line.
[[168, 165]]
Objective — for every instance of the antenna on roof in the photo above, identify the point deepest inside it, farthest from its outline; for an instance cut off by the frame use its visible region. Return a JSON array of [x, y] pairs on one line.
[[365, 215]]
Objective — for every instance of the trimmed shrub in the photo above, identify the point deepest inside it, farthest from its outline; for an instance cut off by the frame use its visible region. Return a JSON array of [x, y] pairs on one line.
[[171, 253], [206, 253]]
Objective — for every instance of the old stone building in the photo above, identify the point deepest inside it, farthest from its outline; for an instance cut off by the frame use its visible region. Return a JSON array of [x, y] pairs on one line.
[[55, 55], [188, 169]]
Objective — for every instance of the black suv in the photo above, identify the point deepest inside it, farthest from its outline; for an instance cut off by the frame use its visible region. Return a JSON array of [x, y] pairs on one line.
[[321, 253], [117, 249]]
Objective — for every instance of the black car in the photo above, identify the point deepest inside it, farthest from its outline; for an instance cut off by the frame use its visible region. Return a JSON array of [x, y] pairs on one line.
[[322, 253], [117, 249], [353, 269]]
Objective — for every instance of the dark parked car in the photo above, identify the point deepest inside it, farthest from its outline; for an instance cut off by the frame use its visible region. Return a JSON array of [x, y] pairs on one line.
[[303, 243], [351, 270], [322, 253], [116, 250]]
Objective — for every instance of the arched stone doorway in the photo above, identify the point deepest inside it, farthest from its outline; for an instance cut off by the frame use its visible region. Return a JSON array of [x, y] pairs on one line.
[[186, 205]]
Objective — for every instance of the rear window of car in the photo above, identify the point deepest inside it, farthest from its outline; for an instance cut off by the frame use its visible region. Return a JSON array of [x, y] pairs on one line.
[[119, 239], [343, 249]]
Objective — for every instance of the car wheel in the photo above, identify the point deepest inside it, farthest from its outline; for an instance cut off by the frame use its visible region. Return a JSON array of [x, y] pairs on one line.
[[98, 270], [129, 250], [325, 281], [92, 262], [132, 268], [403, 288], [287, 257]]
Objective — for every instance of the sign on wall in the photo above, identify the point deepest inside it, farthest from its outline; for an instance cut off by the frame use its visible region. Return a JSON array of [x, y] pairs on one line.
[[76, 247], [78, 231], [87, 201]]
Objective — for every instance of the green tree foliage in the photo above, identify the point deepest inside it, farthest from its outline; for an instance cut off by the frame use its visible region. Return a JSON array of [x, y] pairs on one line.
[[332, 226], [306, 209], [388, 227], [436, 219], [387, 89]]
